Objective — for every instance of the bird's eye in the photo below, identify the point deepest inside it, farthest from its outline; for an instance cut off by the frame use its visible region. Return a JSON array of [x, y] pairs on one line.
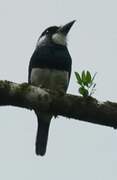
[[44, 33]]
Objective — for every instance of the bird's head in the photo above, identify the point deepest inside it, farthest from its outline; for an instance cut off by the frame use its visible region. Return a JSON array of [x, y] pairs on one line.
[[55, 34]]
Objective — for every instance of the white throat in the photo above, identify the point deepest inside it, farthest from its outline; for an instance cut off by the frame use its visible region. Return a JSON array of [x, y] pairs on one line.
[[59, 38]]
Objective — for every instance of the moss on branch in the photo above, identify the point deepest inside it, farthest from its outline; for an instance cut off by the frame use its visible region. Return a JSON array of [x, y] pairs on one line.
[[85, 109]]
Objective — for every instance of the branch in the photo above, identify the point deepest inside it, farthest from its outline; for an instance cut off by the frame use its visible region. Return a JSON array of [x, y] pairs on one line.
[[85, 109]]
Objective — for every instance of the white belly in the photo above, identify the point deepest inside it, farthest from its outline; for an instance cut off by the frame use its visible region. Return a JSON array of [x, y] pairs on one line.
[[50, 78]]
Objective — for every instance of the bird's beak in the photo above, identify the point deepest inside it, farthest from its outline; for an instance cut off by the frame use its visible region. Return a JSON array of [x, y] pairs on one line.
[[66, 28]]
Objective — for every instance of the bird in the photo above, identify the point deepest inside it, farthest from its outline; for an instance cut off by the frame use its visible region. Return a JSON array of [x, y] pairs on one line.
[[50, 68]]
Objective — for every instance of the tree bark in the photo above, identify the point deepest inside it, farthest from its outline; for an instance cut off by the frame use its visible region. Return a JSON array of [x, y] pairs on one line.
[[85, 109]]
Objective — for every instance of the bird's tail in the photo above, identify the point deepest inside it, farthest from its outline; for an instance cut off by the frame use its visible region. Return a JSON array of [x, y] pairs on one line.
[[42, 133]]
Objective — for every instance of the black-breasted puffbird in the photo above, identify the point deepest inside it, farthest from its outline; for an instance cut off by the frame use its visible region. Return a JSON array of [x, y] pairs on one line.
[[50, 67]]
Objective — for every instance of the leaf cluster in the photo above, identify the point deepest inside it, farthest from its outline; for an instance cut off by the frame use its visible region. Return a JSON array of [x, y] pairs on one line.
[[86, 82]]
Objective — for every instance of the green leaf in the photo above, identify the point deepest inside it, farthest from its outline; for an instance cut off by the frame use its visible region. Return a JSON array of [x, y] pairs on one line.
[[84, 92], [81, 90], [88, 77], [83, 76], [78, 78]]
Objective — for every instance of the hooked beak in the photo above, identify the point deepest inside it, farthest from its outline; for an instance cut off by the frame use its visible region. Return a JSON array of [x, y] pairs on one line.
[[66, 28]]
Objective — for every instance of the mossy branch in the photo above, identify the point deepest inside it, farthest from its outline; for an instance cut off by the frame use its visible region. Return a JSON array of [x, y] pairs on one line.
[[76, 107]]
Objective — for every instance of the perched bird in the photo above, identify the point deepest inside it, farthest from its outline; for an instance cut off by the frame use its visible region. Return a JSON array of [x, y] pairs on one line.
[[50, 67]]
